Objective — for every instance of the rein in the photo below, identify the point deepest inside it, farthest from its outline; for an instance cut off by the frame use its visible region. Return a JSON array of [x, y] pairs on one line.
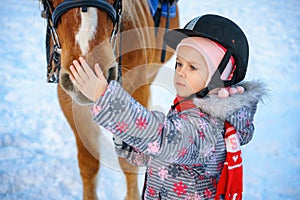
[[53, 16]]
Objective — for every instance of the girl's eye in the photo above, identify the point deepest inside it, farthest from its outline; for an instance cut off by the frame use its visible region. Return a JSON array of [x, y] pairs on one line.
[[178, 64], [193, 68]]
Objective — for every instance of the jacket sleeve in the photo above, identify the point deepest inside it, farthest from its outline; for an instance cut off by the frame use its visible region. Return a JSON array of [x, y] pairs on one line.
[[132, 155], [175, 138], [242, 120]]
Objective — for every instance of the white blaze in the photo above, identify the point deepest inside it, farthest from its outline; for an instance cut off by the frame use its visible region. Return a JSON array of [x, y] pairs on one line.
[[87, 29]]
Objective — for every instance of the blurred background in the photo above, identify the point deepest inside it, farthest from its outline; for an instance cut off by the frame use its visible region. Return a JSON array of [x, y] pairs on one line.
[[38, 156]]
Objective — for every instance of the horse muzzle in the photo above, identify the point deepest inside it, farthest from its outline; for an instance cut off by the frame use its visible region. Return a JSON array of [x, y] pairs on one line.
[[112, 73]]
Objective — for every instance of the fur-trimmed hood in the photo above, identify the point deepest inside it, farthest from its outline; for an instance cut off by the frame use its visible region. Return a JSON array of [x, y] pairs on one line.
[[222, 107]]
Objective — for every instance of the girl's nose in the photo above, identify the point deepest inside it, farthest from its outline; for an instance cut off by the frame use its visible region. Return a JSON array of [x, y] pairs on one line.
[[181, 71]]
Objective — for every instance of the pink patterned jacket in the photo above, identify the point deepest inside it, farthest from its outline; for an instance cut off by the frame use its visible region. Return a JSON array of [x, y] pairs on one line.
[[184, 151]]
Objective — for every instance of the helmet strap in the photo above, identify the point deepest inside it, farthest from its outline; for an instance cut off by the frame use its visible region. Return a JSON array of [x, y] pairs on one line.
[[202, 93], [216, 80]]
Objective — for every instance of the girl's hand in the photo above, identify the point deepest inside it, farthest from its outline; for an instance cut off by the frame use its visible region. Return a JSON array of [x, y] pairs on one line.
[[91, 84]]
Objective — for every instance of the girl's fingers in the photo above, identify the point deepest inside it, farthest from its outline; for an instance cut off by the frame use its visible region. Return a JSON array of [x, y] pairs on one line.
[[72, 78], [86, 67], [98, 71], [75, 82], [80, 70], [75, 75]]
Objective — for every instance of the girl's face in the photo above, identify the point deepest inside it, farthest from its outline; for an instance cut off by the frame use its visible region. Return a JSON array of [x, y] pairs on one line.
[[191, 72]]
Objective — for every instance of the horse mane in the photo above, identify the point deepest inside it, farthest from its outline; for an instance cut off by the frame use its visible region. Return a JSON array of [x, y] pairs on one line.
[[139, 25], [132, 12]]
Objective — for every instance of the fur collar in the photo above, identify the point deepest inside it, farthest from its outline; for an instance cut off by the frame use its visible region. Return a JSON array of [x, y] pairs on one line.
[[222, 107]]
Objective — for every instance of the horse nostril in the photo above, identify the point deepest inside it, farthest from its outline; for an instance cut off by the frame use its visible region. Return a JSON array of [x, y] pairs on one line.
[[112, 73], [66, 82]]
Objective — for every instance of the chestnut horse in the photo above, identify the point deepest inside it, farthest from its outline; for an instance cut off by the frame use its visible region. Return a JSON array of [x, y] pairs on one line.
[[84, 28]]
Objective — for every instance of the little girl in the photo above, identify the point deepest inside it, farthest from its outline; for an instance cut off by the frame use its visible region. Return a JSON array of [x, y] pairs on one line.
[[186, 150]]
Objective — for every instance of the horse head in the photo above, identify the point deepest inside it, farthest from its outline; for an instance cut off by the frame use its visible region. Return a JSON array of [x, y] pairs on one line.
[[83, 28]]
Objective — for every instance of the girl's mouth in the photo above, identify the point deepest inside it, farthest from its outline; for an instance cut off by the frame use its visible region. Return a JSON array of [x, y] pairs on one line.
[[180, 84]]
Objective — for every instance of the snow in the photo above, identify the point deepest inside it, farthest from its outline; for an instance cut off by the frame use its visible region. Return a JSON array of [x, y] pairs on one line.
[[37, 148]]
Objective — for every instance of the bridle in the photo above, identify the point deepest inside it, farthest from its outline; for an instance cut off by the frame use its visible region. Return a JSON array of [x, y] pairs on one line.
[[53, 15]]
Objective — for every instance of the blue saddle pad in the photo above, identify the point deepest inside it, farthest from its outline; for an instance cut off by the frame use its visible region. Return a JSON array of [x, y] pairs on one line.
[[153, 5]]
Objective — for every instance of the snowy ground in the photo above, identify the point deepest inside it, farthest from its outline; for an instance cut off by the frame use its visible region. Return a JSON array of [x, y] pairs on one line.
[[37, 148]]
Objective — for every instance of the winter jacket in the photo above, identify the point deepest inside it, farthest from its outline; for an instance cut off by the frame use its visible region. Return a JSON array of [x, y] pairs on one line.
[[185, 150]]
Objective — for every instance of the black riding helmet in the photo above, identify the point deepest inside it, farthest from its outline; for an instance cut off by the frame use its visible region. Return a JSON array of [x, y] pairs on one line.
[[224, 32]]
